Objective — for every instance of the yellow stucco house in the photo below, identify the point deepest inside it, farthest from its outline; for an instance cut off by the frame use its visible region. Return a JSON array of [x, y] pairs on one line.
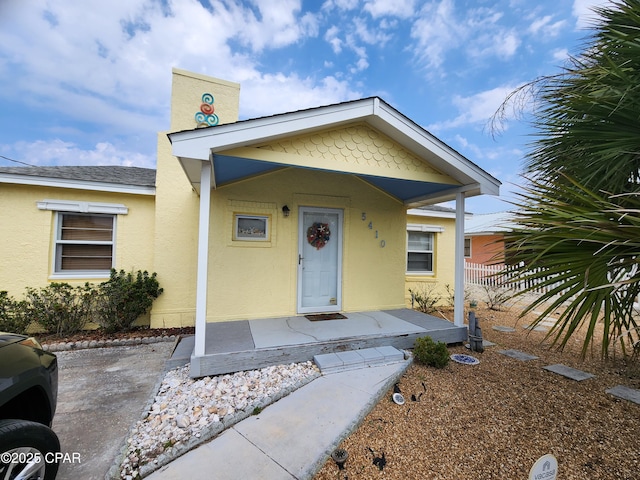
[[316, 210]]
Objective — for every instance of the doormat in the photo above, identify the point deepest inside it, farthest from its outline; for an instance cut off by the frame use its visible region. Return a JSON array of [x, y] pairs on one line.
[[325, 316]]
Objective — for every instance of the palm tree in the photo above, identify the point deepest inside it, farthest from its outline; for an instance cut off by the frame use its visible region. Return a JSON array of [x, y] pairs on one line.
[[578, 231]]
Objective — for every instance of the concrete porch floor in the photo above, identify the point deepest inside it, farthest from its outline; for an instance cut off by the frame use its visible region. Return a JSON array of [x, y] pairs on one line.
[[252, 344]]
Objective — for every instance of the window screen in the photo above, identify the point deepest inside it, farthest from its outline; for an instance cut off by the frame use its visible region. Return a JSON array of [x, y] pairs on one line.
[[84, 243]]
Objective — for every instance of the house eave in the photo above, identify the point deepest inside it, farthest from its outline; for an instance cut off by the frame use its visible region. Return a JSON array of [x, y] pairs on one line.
[[194, 146], [76, 184]]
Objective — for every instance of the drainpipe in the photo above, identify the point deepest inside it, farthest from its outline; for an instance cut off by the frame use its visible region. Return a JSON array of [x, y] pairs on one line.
[[458, 303], [203, 260]]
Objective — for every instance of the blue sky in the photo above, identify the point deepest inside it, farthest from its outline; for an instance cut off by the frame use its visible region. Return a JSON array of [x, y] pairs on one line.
[[88, 83]]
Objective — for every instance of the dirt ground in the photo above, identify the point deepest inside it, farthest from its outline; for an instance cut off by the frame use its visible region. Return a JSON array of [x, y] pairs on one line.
[[495, 419]]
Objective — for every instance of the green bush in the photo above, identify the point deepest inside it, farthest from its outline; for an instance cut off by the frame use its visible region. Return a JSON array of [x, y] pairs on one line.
[[428, 352], [125, 297], [60, 308], [13, 314]]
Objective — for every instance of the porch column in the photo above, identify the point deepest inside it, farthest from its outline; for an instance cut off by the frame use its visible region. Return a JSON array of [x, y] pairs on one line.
[[458, 304], [202, 279]]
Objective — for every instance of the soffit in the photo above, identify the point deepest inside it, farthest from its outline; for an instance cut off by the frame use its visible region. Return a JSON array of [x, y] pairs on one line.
[[367, 138]]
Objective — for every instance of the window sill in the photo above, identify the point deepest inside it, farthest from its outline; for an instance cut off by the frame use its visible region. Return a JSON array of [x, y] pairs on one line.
[[79, 276], [419, 274]]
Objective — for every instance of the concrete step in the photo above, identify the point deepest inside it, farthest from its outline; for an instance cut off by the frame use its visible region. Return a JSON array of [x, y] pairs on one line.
[[354, 359]]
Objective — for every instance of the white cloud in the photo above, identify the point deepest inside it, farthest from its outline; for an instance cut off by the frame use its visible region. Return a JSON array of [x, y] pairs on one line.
[[332, 37], [435, 31], [59, 152], [561, 54], [477, 109], [357, 32], [500, 43], [340, 5], [274, 24], [361, 64], [271, 94], [109, 63], [370, 34], [469, 150], [395, 8], [440, 32], [507, 44], [583, 11], [545, 28]]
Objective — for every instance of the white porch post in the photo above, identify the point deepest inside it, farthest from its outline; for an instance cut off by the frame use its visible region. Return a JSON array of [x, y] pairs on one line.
[[458, 306], [202, 278]]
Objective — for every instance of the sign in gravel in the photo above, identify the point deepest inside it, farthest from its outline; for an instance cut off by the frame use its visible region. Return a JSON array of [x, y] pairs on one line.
[[545, 468]]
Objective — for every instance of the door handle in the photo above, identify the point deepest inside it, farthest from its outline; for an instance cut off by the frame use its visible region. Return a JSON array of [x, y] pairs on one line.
[[300, 258]]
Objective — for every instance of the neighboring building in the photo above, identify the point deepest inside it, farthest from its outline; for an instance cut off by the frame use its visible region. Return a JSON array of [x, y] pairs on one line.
[[484, 237], [276, 216]]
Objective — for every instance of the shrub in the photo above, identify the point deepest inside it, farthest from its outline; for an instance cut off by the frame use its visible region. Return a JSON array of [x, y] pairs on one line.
[[497, 297], [433, 354], [125, 297], [425, 300], [60, 308], [451, 296], [13, 314]]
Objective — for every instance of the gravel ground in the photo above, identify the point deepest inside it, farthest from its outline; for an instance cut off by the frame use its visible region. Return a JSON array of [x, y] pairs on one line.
[[495, 419]]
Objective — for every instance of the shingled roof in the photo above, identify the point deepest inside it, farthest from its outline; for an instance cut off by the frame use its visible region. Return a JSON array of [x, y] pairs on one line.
[[135, 176]]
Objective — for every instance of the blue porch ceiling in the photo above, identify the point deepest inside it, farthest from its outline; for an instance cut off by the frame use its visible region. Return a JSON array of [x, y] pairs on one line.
[[217, 144], [228, 169]]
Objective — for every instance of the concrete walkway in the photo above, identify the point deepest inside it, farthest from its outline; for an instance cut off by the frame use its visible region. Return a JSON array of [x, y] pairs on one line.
[[292, 438], [101, 393]]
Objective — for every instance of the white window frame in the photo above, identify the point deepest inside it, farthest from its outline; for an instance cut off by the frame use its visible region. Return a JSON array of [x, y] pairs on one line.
[[62, 207], [419, 228], [240, 237], [468, 239]]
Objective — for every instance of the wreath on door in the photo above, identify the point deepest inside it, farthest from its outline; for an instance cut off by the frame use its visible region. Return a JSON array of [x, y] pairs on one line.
[[318, 235]]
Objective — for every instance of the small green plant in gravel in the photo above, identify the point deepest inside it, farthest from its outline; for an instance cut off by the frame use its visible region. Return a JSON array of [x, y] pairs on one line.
[[125, 297], [430, 353]]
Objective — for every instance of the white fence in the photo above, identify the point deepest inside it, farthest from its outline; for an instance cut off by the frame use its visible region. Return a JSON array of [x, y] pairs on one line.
[[479, 274], [496, 276]]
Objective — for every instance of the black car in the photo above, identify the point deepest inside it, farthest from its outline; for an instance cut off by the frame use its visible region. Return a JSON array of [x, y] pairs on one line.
[[28, 392]]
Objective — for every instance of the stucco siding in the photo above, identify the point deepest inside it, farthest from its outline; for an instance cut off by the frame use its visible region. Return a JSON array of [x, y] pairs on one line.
[[443, 261], [177, 204], [250, 279], [486, 249], [27, 234]]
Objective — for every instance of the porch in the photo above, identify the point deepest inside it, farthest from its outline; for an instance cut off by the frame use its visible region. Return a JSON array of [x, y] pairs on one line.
[[253, 344]]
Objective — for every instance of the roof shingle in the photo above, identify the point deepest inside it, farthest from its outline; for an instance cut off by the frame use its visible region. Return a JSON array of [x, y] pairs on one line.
[[136, 176]]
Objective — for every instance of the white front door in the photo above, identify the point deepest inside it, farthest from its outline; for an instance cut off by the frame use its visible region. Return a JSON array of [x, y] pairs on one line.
[[319, 260]]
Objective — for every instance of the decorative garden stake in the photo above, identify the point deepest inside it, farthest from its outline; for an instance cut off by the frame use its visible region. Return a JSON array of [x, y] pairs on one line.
[[475, 334]]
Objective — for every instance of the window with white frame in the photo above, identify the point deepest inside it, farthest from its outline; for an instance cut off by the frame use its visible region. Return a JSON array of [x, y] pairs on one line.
[[420, 252], [85, 233], [84, 243], [467, 247]]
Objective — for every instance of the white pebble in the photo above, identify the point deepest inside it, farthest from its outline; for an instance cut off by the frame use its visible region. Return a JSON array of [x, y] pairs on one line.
[[184, 408]]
